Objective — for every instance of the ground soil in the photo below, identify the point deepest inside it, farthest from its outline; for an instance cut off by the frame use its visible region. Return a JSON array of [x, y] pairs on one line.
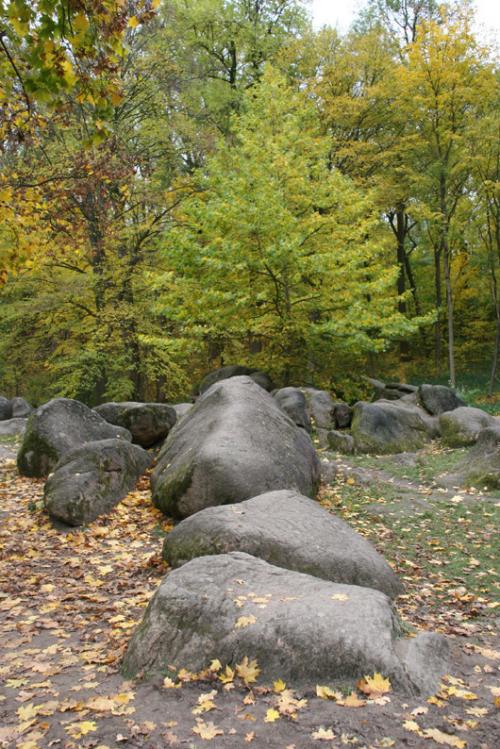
[[69, 600]]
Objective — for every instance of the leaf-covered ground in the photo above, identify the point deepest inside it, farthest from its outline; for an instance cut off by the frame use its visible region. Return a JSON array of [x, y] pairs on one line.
[[70, 600]]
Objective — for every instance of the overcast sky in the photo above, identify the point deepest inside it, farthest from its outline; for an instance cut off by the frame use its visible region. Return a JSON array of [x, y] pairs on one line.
[[341, 12]]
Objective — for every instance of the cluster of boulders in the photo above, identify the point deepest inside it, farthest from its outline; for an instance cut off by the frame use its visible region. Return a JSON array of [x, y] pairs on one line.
[[261, 570], [13, 416]]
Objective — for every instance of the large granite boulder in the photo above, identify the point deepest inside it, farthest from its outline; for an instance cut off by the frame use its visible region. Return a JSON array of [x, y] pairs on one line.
[[462, 426], [293, 402], [386, 427], [56, 428], [438, 399], [5, 408], [288, 530], [234, 444], [90, 480], [112, 412], [299, 628], [235, 370], [12, 427], [340, 442], [481, 465], [148, 423]]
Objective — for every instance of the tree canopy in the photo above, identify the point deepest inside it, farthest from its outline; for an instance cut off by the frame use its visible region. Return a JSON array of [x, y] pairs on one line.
[[188, 184]]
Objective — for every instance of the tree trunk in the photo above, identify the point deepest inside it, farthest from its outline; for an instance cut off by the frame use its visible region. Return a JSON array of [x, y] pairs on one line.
[[439, 304], [450, 316], [401, 227]]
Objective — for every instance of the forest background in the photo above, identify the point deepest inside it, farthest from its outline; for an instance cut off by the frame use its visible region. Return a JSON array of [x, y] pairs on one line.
[[191, 183]]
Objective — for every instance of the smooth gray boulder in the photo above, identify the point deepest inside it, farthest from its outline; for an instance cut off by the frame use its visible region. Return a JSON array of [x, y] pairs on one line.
[[148, 423], [461, 427], [90, 480], [5, 408], [299, 628], [288, 530], [112, 412], [235, 370], [340, 442], [385, 427], [293, 402], [12, 427], [320, 406], [438, 399], [182, 409], [20, 408], [481, 464], [56, 428], [234, 444]]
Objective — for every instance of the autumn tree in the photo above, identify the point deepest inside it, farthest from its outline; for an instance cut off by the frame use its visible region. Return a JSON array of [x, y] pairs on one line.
[[278, 254]]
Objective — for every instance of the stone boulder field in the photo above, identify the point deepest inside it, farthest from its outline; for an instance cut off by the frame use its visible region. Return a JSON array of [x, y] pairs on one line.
[[259, 567]]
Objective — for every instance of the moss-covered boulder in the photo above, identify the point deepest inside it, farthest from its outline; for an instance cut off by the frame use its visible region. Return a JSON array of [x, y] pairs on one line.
[[234, 444], [288, 530], [90, 480], [56, 428], [299, 628], [148, 423], [461, 427], [386, 427]]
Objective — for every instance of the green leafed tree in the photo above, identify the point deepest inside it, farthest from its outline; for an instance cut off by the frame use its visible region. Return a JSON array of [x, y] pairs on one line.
[[279, 259]]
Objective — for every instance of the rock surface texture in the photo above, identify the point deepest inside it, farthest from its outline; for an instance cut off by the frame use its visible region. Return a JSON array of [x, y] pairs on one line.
[[288, 530], [20, 408], [148, 423], [236, 443], [5, 408], [391, 427], [438, 399], [90, 480], [293, 402], [306, 630], [481, 465], [12, 427], [56, 428], [235, 370], [461, 427]]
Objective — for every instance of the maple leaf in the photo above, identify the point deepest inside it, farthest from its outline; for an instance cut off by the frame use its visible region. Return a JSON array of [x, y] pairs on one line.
[[248, 670], [352, 701], [374, 686], [77, 730], [271, 715], [411, 725], [279, 686], [205, 703], [325, 693], [207, 731], [323, 734], [249, 736], [444, 738], [245, 621], [215, 666], [227, 676]]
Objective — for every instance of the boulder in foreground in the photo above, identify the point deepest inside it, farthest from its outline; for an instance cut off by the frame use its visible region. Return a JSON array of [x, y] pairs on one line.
[[56, 428], [299, 628], [288, 530], [90, 480], [148, 423], [387, 427], [234, 444]]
